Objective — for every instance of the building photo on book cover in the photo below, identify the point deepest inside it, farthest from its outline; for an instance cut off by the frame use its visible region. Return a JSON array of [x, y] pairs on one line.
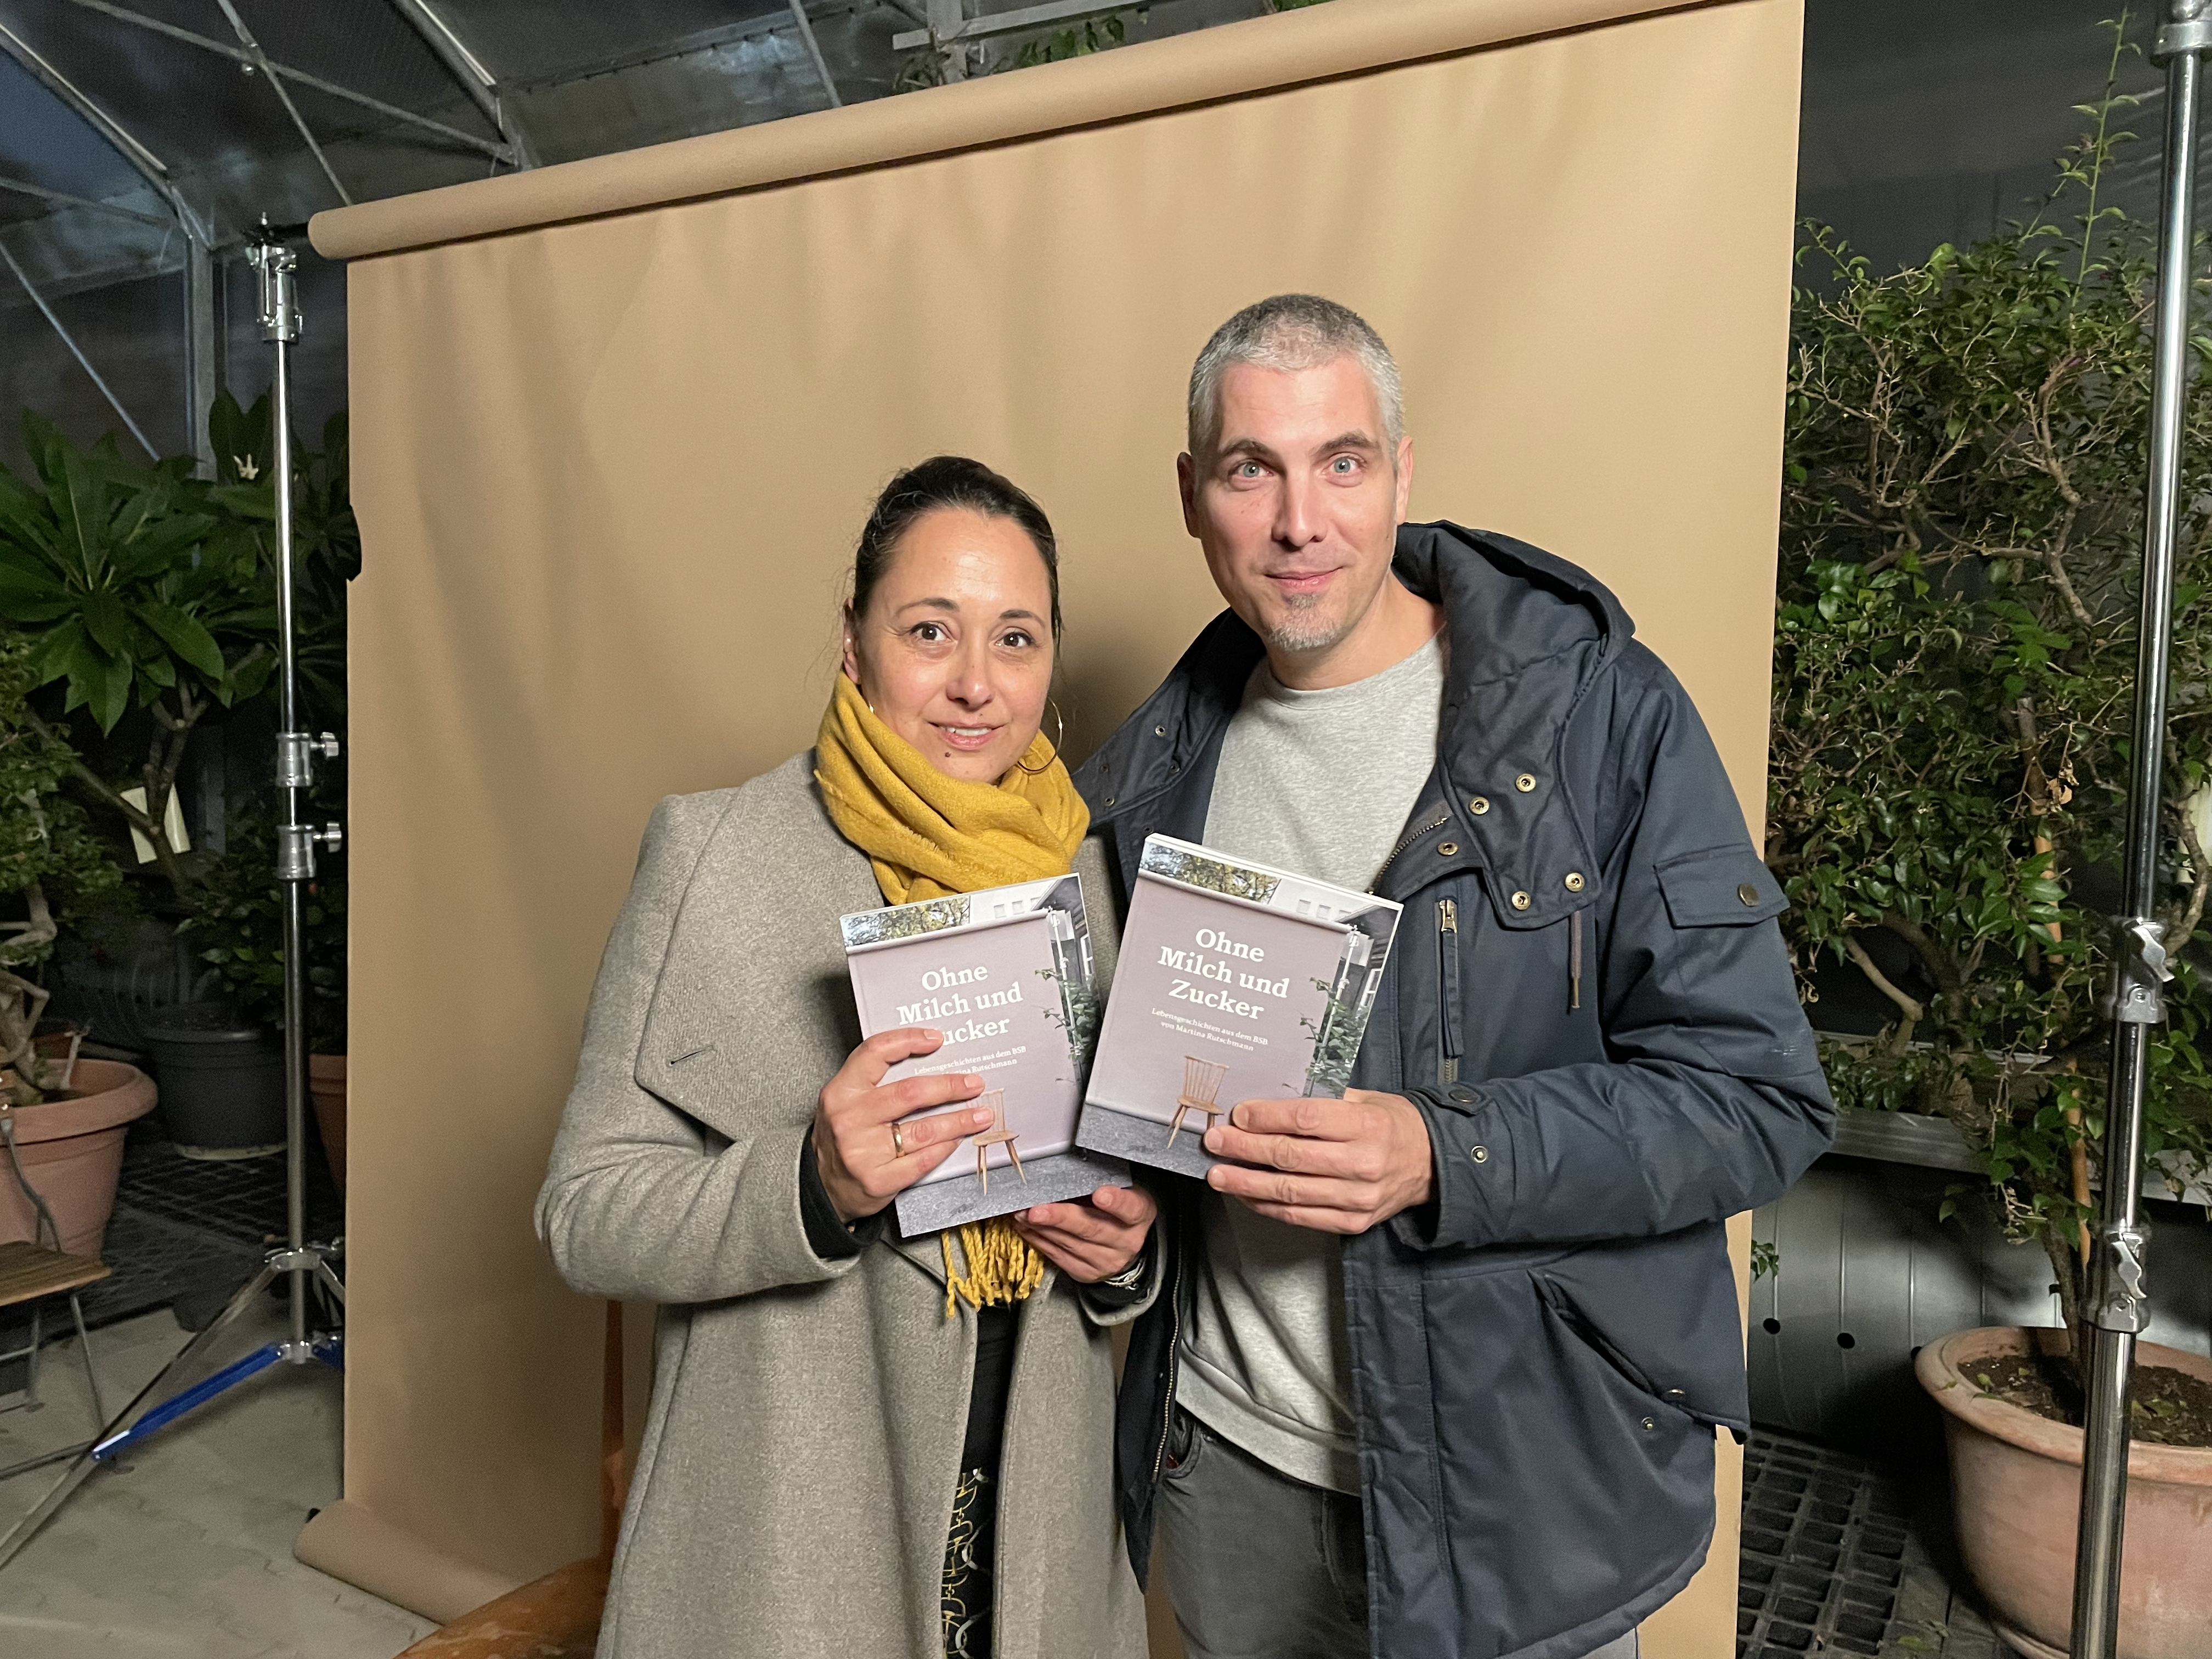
[[1235, 981], [1005, 974]]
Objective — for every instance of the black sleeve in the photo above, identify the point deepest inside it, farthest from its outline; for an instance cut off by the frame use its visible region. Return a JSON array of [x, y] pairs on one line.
[[827, 1236]]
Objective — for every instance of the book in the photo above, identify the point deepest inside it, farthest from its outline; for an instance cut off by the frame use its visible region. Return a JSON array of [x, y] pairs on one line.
[[1005, 974], [1235, 981]]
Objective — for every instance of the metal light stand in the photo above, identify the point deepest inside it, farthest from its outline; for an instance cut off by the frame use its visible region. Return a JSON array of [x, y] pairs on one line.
[[299, 1259], [2117, 1304]]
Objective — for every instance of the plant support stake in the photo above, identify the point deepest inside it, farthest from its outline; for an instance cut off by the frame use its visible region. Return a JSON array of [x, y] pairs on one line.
[[2117, 1303]]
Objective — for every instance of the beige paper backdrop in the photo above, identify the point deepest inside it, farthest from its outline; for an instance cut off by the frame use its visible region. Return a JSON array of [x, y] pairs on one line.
[[609, 470]]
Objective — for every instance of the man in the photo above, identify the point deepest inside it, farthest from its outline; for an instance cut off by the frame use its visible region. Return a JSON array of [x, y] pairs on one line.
[[1438, 1367]]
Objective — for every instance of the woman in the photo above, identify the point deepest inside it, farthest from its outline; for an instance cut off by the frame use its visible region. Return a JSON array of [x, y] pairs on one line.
[[842, 1417]]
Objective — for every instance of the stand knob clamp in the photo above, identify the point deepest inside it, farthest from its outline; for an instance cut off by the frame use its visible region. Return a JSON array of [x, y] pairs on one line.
[[296, 757], [296, 848], [2118, 1299], [2139, 971]]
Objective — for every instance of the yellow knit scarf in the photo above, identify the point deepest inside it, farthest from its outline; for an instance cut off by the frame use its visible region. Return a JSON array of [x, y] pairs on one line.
[[928, 835]]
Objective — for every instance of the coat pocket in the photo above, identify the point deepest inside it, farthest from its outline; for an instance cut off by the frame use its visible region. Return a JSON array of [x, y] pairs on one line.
[[1662, 1313], [1563, 1488]]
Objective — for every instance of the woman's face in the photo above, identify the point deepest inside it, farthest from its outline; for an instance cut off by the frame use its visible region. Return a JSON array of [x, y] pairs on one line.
[[955, 652]]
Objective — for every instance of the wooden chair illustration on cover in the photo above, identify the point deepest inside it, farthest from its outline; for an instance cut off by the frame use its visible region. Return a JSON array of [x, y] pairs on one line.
[[33, 1271], [994, 1100], [1201, 1082]]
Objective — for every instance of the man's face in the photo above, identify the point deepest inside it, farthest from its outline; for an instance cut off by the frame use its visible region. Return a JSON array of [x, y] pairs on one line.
[[1298, 507]]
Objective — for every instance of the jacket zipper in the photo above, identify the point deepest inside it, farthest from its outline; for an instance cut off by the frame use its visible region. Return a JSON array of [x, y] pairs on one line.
[[1447, 986], [1410, 837], [1175, 1350]]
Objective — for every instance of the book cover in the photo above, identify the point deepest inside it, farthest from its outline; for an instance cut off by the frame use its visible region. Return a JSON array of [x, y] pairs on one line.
[[1235, 981], [1006, 975]]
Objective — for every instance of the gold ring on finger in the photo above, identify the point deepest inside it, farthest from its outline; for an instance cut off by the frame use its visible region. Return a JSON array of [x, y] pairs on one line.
[[898, 1140]]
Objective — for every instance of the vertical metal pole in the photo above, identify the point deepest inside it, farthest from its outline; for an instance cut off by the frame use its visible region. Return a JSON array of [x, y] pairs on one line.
[[946, 16], [814, 52], [2115, 1306], [280, 326], [278, 267], [199, 350]]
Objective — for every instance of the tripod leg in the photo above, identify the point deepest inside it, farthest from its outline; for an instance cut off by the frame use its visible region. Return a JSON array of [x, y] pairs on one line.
[[327, 1277], [185, 1364]]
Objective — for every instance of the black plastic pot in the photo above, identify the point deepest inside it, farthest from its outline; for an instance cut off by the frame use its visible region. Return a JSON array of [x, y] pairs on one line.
[[221, 1081]]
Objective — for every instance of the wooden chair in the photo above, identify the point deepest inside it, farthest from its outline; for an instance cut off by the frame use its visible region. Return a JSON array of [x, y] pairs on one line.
[[31, 1271], [1201, 1082], [998, 1135]]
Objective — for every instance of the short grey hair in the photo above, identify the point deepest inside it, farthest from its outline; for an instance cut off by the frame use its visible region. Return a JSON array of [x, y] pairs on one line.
[[1292, 332]]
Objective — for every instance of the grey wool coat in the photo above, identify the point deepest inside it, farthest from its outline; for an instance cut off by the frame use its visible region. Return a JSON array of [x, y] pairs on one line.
[[796, 1480]]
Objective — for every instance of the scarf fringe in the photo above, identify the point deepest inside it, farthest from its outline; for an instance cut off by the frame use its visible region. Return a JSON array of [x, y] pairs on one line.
[[1002, 1266]]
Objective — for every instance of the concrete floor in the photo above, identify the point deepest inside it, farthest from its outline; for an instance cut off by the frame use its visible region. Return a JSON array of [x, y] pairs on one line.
[[187, 1552]]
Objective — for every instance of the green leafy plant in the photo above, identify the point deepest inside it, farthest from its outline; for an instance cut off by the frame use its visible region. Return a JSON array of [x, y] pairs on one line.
[[326, 539], [1091, 35], [136, 589], [1955, 658], [48, 854]]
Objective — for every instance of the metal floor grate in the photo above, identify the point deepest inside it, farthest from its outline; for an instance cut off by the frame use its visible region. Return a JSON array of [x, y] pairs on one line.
[[242, 1198], [1832, 1564]]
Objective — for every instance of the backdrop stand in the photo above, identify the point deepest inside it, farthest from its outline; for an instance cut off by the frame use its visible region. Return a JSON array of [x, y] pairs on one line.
[[2117, 1303], [302, 1261]]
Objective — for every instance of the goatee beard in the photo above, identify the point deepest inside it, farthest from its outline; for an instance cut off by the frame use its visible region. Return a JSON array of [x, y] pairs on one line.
[[1305, 629]]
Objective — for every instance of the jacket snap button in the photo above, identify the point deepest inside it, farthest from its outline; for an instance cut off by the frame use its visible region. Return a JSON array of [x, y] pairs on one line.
[[1525, 782], [1479, 1154], [1674, 1393], [1521, 901], [1747, 893], [1649, 1424], [1574, 881], [1109, 800], [1479, 805], [1460, 1092], [1159, 730], [1447, 850]]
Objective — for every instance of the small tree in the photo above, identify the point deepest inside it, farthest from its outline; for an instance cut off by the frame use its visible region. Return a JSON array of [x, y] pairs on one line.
[[1954, 664], [137, 591], [47, 854]]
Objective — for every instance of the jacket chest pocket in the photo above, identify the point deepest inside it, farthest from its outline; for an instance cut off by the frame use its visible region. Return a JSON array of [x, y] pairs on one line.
[[1479, 1000], [1449, 1035]]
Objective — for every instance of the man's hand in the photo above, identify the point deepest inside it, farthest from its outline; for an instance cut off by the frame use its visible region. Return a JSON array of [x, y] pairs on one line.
[[1337, 1166], [1093, 1238]]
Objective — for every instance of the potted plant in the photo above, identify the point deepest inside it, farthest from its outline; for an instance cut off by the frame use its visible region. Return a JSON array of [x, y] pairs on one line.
[[69, 1114], [1962, 522], [236, 925], [151, 594]]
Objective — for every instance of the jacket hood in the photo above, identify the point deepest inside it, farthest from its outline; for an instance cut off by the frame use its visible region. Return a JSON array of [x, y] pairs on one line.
[[1528, 634]]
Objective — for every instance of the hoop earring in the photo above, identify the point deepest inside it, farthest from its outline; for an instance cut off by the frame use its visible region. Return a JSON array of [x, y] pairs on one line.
[[1059, 726]]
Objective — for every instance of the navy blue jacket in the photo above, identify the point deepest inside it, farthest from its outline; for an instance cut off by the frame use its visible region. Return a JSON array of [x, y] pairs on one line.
[[1590, 1003]]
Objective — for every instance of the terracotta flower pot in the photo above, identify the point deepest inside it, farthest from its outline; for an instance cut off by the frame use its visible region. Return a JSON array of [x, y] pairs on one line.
[[72, 1153], [326, 1081], [2016, 1487]]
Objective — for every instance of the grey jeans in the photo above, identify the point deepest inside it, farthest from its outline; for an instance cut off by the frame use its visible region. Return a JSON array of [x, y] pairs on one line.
[[1261, 1566]]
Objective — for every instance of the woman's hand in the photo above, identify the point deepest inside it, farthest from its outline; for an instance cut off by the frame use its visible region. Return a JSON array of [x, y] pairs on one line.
[[866, 1158], [1092, 1238]]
